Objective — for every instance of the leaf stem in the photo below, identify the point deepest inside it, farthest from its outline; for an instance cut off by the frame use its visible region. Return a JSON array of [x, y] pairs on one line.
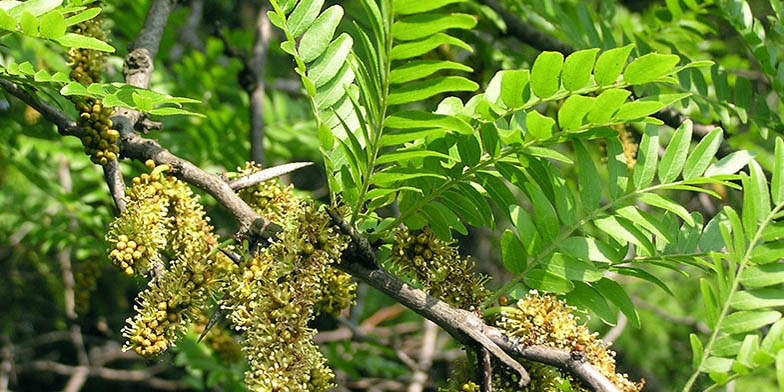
[[726, 307]]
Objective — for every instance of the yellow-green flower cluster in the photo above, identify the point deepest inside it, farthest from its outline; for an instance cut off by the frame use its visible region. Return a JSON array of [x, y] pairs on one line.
[[437, 266], [163, 311], [269, 199], [164, 217], [140, 233], [273, 299], [540, 319], [338, 292]]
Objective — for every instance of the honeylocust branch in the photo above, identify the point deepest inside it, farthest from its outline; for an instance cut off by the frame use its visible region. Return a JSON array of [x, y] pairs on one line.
[[359, 261], [137, 147]]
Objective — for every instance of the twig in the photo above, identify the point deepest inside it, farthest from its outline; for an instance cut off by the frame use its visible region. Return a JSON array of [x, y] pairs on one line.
[[486, 369], [138, 64], [464, 326], [429, 338], [359, 336], [65, 126], [468, 329], [6, 367], [266, 174], [77, 380], [114, 179], [257, 67], [668, 316], [615, 332], [189, 36], [143, 376]]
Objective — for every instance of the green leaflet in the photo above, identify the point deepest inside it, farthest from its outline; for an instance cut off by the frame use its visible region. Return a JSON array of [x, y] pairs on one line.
[[401, 174], [406, 155], [662, 202], [618, 296], [539, 126], [303, 16], [609, 65], [606, 105], [649, 68], [34, 7], [512, 253], [421, 90], [545, 280], [700, 158], [745, 321], [588, 248], [418, 69], [416, 48], [52, 25], [335, 89], [588, 298], [623, 230], [513, 84], [330, 62], [407, 7], [777, 180], [730, 164], [545, 74], [544, 214], [577, 69], [573, 110], [765, 275], [318, 36], [423, 25], [757, 299], [417, 119], [588, 178], [674, 156], [72, 40], [83, 16], [647, 157], [571, 268]]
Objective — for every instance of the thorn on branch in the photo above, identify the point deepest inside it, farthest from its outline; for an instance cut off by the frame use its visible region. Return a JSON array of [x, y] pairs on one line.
[[486, 368], [266, 174]]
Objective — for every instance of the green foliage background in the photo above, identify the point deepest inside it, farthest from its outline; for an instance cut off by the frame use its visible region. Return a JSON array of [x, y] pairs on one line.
[[43, 220]]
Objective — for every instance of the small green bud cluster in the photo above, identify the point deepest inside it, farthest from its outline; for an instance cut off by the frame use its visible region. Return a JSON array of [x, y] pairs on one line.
[[164, 217], [437, 266], [273, 299], [269, 199], [162, 312], [541, 319], [99, 139], [87, 66], [85, 274]]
